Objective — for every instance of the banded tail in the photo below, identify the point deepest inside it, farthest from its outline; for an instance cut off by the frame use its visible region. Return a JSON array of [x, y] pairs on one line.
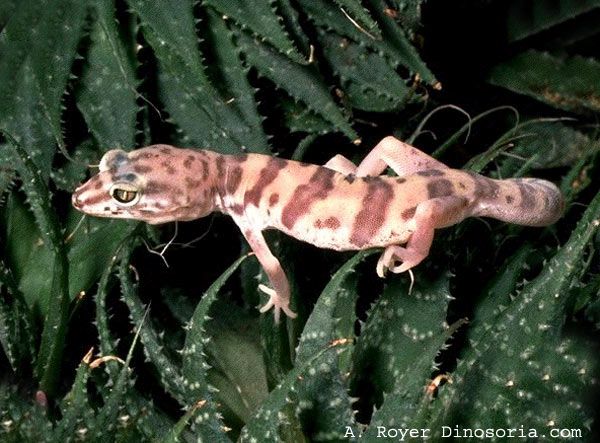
[[523, 201]]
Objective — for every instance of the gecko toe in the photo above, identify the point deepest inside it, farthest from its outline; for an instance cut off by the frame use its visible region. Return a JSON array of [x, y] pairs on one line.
[[277, 303]]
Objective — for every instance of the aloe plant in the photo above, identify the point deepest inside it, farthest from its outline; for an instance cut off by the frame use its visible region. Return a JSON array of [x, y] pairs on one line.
[[108, 335]]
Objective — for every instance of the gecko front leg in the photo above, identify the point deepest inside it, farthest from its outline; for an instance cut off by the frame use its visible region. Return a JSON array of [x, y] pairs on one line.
[[279, 294]]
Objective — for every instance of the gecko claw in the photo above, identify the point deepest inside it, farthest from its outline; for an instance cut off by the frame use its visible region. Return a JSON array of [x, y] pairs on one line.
[[407, 259], [277, 303]]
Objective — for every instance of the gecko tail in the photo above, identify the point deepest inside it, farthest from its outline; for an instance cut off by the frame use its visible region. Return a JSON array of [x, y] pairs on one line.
[[523, 201]]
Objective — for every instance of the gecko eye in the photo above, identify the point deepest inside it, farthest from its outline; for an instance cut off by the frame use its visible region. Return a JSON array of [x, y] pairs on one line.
[[125, 194]]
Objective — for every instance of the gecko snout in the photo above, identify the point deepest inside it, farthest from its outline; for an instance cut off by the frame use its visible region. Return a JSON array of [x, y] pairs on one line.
[[75, 201]]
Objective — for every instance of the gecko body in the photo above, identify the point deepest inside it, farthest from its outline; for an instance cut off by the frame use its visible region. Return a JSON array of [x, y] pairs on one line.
[[338, 205]]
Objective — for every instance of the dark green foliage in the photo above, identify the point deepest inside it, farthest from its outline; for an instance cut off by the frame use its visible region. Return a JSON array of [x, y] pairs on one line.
[[529, 17], [107, 336], [542, 76]]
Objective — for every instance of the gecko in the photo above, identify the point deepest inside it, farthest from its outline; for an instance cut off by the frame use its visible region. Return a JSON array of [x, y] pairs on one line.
[[338, 205]]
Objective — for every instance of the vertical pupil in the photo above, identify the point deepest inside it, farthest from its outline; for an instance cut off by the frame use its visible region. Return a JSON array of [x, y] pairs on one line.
[[124, 196]]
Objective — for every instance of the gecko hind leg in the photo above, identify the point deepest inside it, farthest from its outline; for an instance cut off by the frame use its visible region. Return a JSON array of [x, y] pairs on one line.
[[429, 216], [403, 158]]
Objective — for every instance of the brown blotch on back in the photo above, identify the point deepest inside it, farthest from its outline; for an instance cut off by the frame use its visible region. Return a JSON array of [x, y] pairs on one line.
[[273, 199], [317, 188], [165, 150], [192, 183], [144, 155], [400, 180], [350, 178], [266, 177], [509, 199], [153, 187], [205, 169], [189, 160], [485, 188], [329, 223], [167, 165], [374, 210], [234, 178], [141, 169], [430, 173], [240, 158], [409, 213], [237, 208], [462, 186], [220, 166], [440, 188]]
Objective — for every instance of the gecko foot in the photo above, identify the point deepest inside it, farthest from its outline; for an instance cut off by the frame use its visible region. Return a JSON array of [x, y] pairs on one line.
[[276, 302], [392, 254]]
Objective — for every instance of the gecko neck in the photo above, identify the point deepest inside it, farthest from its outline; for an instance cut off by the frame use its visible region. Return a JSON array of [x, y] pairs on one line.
[[221, 174]]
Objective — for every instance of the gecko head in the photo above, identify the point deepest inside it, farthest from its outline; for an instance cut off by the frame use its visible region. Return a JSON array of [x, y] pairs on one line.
[[138, 185]]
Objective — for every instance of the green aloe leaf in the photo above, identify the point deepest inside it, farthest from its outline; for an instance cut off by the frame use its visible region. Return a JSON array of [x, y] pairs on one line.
[[151, 421], [232, 78], [360, 15], [369, 82], [542, 76], [7, 171], [526, 367], [38, 47], [407, 13], [90, 247], [17, 334], [195, 365], [28, 254], [394, 44], [332, 318], [261, 18], [207, 119], [395, 353], [526, 18], [301, 82], [299, 118], [106, 93], [75, 406], [7, 9], [236, 356], [165, 364], [496, 296], [114, 401], [55, 326], [263, 426], [555, 143]]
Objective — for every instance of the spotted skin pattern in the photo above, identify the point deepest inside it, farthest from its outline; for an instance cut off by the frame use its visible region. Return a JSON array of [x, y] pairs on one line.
[[338, 206]]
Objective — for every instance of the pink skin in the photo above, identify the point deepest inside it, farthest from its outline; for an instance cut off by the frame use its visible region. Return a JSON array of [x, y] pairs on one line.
[[338, 206]]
